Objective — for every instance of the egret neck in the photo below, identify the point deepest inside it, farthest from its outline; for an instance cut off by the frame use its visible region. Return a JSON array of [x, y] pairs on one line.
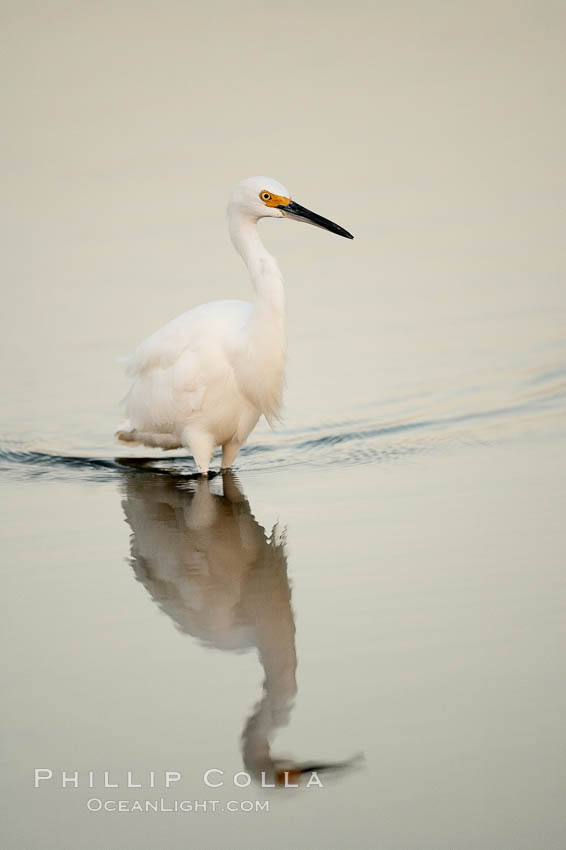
[[266, 342], [264, 271]]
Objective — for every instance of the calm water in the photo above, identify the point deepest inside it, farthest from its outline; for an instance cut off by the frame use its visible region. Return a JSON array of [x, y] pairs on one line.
[[379, 589]]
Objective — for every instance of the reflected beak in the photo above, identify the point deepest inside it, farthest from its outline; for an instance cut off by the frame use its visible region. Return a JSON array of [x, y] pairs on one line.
[[296, 211]]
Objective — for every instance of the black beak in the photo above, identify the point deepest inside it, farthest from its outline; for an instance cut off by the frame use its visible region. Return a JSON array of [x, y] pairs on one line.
[[296, 211]]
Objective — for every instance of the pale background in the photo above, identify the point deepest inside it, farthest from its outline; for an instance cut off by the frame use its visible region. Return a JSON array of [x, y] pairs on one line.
[[420, 468]]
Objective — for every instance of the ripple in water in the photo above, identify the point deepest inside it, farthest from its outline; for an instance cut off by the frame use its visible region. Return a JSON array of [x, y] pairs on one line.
[[409, 424]]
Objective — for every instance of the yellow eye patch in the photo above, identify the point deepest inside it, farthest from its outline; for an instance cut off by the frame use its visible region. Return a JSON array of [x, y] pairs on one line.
[[271, 200]]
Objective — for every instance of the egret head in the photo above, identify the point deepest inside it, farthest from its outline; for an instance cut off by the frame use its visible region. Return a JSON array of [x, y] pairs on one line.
[[263, 197]]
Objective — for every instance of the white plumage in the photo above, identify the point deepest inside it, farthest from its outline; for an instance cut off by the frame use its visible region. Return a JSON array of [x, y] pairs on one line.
[[205, 378]]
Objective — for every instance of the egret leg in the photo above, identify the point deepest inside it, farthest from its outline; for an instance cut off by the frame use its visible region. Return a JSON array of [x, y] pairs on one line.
[[201, 445], [229, 452]]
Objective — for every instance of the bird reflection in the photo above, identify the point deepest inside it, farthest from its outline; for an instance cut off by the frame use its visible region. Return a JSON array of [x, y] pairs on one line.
[[210, 566]]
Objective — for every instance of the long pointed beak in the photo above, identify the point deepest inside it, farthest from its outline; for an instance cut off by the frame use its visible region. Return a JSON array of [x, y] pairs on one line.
[[296, 211]]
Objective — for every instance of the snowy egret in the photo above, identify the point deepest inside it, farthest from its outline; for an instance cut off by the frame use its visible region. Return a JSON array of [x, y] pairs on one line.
[[205, 378]]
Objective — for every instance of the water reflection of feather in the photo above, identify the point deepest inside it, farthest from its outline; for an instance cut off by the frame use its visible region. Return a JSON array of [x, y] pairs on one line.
[[210, 566]]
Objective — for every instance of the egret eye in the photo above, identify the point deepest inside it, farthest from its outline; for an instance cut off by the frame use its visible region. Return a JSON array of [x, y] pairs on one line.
[[265, 196]]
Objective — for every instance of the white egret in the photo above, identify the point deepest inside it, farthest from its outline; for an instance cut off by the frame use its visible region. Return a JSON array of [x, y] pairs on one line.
[[205, 378]]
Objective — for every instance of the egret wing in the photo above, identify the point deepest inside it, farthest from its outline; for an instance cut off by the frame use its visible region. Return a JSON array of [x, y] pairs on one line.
[[172, 369]]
